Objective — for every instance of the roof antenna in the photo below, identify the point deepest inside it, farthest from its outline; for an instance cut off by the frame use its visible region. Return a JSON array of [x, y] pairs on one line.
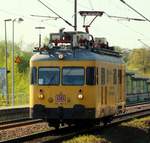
[[56, 14]]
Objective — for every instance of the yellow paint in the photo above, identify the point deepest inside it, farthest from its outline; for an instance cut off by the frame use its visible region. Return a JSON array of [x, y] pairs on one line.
[[104, 98]]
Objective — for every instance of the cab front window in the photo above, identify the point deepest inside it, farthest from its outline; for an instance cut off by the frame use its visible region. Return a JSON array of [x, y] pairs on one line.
[[73, 76], [48, 76]]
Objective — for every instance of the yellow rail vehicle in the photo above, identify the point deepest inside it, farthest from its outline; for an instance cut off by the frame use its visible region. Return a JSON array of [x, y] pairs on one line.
[[76, 85]]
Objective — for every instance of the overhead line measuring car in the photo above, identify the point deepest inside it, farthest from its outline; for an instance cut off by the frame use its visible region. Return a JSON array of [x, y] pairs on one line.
[[76, 79]]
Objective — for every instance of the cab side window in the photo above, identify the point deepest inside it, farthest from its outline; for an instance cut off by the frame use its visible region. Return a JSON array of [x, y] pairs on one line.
[[103, 76], [120, 76], [33, 75], [114, 76], [91, 75]]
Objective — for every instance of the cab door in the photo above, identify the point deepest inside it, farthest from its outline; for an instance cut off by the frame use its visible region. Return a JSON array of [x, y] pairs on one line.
[[103, 87], [115, 85], [121, 84]]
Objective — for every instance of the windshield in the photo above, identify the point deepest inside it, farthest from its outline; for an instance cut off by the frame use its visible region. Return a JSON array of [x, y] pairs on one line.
[[72, 76], [49, 76]]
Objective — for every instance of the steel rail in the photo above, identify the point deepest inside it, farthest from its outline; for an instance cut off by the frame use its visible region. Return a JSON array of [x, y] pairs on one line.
[[117, 120], [18, 123], [13, 121], [70, 132]]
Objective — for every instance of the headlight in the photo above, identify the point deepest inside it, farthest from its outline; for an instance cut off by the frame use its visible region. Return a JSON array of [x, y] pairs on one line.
[[80, 96], [61, 56], [41, 95]]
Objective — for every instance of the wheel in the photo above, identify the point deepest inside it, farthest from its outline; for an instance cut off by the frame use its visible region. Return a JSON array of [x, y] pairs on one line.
[[55, 125], [107, 120]]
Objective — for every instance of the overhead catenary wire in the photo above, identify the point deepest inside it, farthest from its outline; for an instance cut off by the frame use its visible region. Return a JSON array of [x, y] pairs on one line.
[[124, 18], [146, 45], [30, 18], [135, 10], [14, 14], [90, 3], [27, 17], [44, 16], [9, 12], [56, 13], [79, 4], [131, 29]]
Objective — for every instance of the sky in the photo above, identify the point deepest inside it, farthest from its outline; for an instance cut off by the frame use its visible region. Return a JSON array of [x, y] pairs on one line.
[[118, 32]]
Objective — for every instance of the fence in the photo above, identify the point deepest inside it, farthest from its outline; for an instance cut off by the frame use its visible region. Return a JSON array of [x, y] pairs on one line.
[[19, 99], [137, 98]]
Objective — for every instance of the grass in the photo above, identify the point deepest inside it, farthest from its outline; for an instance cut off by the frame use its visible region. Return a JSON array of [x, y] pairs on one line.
[[143, 123], [135, 131], [87, 139]]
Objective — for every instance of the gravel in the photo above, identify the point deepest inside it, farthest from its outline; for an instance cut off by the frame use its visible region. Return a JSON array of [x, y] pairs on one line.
[[22, 131]]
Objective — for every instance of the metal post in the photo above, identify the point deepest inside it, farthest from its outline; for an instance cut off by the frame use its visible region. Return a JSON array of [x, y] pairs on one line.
[[75, 17], [39, 27], [39, 40], [7, 98], [13, 62], [6, 53], [13, 45]]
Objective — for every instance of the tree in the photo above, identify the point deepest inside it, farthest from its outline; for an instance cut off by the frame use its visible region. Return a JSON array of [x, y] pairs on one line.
[[21, 69], [139, 60], [124, 52]]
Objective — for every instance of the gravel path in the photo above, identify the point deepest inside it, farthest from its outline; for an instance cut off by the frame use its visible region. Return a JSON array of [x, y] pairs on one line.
[[22, 131]]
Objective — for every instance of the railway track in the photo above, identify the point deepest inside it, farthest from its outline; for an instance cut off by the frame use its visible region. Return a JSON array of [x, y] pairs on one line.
[[13, 121], [13, 113], [18, 123], [69, 132]]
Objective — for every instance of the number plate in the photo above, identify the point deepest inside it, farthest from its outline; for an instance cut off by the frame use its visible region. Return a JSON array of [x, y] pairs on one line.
[[60, 99]]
